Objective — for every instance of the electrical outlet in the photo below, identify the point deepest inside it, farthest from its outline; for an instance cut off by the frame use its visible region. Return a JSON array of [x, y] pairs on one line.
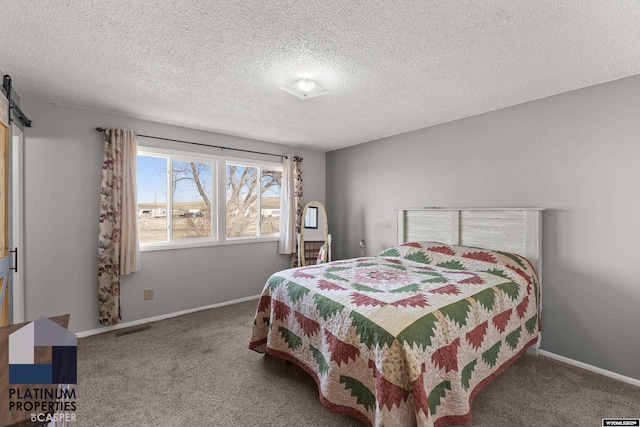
[[148, 294]]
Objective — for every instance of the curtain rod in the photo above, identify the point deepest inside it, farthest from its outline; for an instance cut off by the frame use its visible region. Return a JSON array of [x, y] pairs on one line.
[[100, 129]]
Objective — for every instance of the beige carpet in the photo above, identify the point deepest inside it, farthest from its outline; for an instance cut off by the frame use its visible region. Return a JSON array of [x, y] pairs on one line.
[[196, 370]]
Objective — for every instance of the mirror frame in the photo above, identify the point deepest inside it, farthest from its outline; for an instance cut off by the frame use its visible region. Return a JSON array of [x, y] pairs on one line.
[[327, 253]]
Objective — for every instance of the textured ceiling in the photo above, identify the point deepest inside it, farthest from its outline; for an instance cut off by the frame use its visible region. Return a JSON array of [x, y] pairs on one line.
[[391, 65]]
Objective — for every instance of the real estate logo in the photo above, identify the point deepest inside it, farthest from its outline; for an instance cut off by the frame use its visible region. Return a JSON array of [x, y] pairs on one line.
[[621, 421], [43, 332]]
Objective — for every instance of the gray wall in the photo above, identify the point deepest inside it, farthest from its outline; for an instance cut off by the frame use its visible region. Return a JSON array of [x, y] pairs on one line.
[[575, 154], [62, 181]]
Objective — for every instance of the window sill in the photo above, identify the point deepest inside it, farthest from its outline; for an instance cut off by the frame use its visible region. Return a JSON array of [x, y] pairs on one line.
[[243, 240], [153, 247]]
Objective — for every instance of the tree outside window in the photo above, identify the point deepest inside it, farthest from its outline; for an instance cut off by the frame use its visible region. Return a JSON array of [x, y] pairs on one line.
[[246, 195]]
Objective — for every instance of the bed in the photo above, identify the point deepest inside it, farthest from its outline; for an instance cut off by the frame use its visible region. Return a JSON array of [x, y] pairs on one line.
[[410, 336]]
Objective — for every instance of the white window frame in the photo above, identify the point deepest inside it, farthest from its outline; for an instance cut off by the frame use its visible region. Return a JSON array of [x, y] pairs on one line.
[[260, 166], [218, 201]]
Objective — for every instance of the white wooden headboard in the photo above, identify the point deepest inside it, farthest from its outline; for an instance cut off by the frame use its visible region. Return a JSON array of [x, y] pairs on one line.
[[517, 230]]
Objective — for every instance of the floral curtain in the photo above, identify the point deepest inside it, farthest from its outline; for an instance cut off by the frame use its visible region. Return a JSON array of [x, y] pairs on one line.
[[118, 249], [297, 197], [290, 207]]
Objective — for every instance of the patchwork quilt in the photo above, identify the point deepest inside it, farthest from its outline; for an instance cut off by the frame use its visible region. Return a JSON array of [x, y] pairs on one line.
[[407, 337]]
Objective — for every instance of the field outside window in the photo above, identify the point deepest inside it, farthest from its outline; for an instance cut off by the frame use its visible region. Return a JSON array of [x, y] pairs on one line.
[[175, 198]]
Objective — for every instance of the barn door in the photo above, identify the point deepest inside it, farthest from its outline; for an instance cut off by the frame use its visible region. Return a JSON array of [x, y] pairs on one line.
[[5, 238]]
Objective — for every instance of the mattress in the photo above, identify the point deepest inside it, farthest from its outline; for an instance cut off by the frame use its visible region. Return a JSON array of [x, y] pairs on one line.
[[404, 338]]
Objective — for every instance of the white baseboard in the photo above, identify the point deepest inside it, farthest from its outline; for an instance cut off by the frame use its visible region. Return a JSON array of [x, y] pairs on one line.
[[160, 317], [591, 368]]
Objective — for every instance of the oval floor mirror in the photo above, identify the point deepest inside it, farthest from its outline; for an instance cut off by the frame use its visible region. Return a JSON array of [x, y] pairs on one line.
[[314, 221]]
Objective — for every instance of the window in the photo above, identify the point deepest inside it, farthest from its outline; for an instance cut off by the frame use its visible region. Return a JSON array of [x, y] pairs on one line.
[[192, 196], [251, 189], [176, 197], [152, 198], [184, 199]]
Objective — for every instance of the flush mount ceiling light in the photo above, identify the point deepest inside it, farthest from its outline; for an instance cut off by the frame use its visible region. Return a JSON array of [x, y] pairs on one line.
[[305, 89]]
